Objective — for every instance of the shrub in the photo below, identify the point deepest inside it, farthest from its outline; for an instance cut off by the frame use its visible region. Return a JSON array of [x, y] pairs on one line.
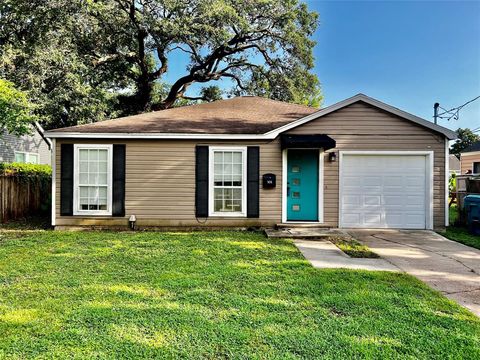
[[26, 170], [452, 184]]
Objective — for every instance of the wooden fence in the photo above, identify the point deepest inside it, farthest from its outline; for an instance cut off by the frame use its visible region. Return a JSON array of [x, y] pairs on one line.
[[22, 196]]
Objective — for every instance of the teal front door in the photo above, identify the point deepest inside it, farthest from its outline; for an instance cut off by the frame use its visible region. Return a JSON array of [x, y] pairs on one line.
[[302, 185]]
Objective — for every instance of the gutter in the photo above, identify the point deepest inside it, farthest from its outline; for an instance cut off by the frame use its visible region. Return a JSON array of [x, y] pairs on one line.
[[43, 134]]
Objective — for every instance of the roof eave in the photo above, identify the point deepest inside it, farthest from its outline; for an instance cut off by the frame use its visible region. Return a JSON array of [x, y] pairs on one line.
[[110, 135]]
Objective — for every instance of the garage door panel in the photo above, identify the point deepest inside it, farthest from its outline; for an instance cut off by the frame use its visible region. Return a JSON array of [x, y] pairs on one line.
[[373, 219], [391, 181], [383, 191], [415, 220], [415, 201], [394, 220], [370, 190], [351, 218], [370, 200]]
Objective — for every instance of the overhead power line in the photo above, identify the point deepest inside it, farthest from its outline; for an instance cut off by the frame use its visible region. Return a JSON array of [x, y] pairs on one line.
[[453, 113]]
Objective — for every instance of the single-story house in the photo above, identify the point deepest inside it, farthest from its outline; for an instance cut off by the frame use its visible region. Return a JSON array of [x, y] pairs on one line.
[[251, 161], [470, 159], [31, 148]]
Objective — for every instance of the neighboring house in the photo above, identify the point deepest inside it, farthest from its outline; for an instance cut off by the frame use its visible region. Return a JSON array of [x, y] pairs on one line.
[[470, 159], [34, 148], [454, 165], [251, 161]]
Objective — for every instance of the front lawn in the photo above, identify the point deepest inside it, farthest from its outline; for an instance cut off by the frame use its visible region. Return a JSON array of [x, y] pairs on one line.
[[211, 295], [460, 234]]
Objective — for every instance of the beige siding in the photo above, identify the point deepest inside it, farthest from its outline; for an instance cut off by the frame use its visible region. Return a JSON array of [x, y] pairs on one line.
[[160, 185], [362, 127], [160, 188], [467, 160]]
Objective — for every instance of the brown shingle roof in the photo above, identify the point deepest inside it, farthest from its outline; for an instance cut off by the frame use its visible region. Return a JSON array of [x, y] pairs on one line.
[[240, 115]]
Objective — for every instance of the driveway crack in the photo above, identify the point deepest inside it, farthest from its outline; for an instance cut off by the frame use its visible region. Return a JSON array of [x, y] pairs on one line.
[[460, 292], [431, 251]]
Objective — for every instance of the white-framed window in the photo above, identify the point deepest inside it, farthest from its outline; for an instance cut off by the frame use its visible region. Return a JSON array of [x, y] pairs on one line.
[[92, 191], [26, 157], [227, 178]]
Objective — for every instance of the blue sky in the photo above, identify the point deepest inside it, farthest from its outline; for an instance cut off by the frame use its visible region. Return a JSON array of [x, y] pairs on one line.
[[409, 54]]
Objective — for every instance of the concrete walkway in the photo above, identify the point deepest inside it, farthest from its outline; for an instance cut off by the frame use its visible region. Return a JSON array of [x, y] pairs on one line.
[[447, 266], [323, 254]]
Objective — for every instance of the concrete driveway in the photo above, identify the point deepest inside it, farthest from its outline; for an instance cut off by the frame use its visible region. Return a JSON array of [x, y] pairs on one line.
[[445, 265]]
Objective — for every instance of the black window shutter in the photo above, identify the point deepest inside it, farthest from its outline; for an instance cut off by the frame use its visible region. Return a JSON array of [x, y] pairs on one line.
[[201, 181], [66, 180], [253, 181], [118, 190]]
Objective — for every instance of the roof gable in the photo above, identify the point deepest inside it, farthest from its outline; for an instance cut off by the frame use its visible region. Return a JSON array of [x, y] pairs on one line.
[[373, 102]]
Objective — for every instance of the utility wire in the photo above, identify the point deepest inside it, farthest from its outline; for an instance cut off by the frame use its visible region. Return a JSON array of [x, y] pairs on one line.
[[453, 113]]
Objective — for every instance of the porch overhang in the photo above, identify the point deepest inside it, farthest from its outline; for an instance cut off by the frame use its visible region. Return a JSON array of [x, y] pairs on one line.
[[307, 141]]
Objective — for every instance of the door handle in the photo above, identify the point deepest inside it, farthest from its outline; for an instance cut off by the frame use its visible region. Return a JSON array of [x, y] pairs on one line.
[[288, 190]]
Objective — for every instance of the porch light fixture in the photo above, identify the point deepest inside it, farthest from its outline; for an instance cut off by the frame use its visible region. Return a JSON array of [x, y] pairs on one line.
[[332, 157], [131, 221]]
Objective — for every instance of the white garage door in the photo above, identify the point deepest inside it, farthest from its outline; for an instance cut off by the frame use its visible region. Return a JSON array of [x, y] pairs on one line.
[[383, 191]]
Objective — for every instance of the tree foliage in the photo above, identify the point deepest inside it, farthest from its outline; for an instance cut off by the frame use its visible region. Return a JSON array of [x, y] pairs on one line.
[[465, 139], [84, 60], [15, 110]]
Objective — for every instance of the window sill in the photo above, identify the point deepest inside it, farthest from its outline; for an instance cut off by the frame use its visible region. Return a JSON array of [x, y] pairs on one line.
[[92, 213], [229, 215]]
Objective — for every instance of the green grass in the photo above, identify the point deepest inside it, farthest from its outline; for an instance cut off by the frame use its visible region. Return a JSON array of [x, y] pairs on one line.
[[353, 248], [213, 295], [460, 234]]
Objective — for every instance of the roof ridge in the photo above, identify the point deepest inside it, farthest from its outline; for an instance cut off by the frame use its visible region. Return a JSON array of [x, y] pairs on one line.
[[280, 101]]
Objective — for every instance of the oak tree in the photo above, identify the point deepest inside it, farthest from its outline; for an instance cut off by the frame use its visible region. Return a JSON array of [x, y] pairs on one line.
[[84, 60]]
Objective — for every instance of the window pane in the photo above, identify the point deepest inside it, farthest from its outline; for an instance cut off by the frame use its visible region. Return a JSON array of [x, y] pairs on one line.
[[227, 157], [83, 191], [83, 154], [92, 194], [102, 155], [33, 158], [237, 169], [93, 155], [102, 192], [218, 157], [237, 194], [218, 194], [83, 166], [218, 206], [237, 205], [102, 179], [237, 157], [92, 179], [93, 167], [102, 166], [83, 178], [20, 157], [227, 193]]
